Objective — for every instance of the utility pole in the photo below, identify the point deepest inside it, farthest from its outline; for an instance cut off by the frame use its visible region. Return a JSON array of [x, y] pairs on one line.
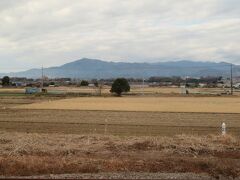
[[186, 81], [143, 86], [42, 79], [100, 86], [231, 79]]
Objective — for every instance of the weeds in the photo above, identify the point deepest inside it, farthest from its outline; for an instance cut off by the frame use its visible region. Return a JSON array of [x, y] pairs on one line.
[[36, 154]]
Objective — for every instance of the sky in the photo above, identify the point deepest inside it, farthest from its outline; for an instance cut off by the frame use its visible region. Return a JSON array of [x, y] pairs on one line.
[[35, 33]]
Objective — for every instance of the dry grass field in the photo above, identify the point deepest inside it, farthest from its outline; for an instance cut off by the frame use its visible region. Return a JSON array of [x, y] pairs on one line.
[[51, 135], [12, 90], [24, 154], [106, 90], [134, 90], [153, 104], [11, 100], [139, 90], [177, 90], [123, 116]]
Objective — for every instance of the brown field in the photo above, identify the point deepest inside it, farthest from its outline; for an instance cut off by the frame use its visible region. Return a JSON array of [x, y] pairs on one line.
[[12, 90], [51, 135], [124, 116], [33, 154], [23, 154], [116, 122], [11, 100], [140, 90], [177, 90], [106, 90], [134, 90], [153, 104]]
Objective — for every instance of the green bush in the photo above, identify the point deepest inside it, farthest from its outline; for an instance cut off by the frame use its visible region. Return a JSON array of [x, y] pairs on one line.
[[119, 86], [84, 83]]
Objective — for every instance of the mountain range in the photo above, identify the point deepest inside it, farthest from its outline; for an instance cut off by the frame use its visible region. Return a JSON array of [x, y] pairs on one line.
[[94, 68]]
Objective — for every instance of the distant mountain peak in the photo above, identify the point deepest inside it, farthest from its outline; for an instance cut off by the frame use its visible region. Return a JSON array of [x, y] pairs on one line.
[[87, 68], [92, 60]]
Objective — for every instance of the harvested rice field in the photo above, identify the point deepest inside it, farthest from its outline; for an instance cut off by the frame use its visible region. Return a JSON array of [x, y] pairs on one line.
[[152, 104], [116, 122]]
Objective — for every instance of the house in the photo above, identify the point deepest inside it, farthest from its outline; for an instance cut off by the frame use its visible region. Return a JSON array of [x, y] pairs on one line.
[[202, 85], [236, 86], [91, 85], [220, 84], [19, 84]]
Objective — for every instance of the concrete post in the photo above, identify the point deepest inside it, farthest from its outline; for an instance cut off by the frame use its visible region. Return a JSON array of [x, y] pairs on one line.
[[223, 128]]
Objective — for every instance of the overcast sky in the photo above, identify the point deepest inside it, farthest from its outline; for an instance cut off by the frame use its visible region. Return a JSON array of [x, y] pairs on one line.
[[52, 32]]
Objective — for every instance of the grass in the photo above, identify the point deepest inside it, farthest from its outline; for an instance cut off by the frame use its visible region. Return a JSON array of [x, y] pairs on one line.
[[33, 154]]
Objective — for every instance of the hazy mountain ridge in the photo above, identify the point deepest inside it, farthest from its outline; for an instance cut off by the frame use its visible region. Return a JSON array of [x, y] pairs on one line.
[[94, 68]]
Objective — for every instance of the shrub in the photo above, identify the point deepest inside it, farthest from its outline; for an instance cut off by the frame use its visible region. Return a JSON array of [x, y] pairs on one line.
[[119, 86]]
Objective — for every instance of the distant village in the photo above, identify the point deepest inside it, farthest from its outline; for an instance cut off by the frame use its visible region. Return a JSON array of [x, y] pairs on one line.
[[190, 82]]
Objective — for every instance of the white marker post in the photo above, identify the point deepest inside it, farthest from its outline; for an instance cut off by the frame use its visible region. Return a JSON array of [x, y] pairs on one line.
[[223, 128]]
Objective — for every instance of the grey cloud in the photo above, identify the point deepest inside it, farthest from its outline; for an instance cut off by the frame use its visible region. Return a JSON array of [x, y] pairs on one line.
[[52, 32]]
